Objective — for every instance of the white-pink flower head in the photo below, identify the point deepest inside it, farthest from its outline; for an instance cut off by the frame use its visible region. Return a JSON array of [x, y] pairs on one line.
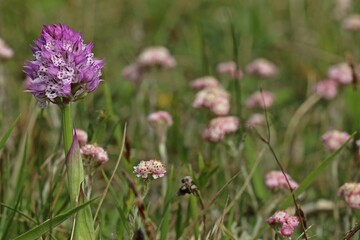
[[341, 73], [156, 56], [351, 193], [94, 153], [327, 89], [82, 136], [230, 69], [133, 73], [219, 127], [283, 223], [204, 82], [276, 180], [334, 139], [160, 118], [255, 119], [148, 168], [5, 51], [216, 99], [352, 23], [260, 99], [261, 68]]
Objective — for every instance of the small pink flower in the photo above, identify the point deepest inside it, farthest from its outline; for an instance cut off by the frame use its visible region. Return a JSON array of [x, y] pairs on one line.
[[230, 69], [286, 230], [351, 193], [261, 68], [255, 119], [204, 82], [216, 99], [94, 153], [276, 180], [334, 139], [148, 168], [260, 99], [133, 72], [341, 73], [327, 89], [160, 118], [82, 136], [5, 51], [156, 56], [283, 223], [278, 217], [352, 23], [219, 127]]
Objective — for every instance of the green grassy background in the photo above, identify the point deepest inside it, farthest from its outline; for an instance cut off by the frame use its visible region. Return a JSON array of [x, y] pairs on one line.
[[303, 38]]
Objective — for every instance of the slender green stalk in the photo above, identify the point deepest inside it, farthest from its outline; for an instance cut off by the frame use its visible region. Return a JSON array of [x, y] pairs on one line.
[[67, 126]]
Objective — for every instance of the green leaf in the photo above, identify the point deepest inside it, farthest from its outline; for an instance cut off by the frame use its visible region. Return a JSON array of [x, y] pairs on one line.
[[8, 132], [74, 170], [43, 228], [84, 226]]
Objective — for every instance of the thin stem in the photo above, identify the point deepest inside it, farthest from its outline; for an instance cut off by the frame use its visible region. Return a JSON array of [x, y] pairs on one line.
[[67, 126]]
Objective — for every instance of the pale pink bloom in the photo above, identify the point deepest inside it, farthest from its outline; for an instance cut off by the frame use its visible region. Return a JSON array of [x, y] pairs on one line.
[[5, 51], [341, 73], [216, 99], [160, 121], [162, 118], [230, 69], [219, 127], [148, 168], [342, 7], [278, 217], [352, 22], [133, 72], [94, 153], [204, 82], [82, 136], [351, 193], [276, 180], [260, 99], [255, 119], [261, 68], [327, 89], [283, 223], [156, 56], [334, 139]]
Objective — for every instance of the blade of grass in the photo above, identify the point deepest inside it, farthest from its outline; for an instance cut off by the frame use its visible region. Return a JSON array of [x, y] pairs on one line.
[[314, 174], [43, 228], [8, 132], [112, 175]]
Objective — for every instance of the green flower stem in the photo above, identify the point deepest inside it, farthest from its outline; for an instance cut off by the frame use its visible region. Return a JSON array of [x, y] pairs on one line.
[[67, 126]]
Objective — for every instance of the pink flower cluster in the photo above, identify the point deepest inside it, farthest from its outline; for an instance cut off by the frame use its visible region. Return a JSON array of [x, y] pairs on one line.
[[255, 119], [261, 68], [5, 51], [334, 139], [283, 223], [149, 57], [151, 167], [276, 180], [216, 99], [351, 193], [82, 136], [337, 75], [219, 127], [352, 23], [229, 68], [94, 153], [160, 118], [204, 82], [260, 99]]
